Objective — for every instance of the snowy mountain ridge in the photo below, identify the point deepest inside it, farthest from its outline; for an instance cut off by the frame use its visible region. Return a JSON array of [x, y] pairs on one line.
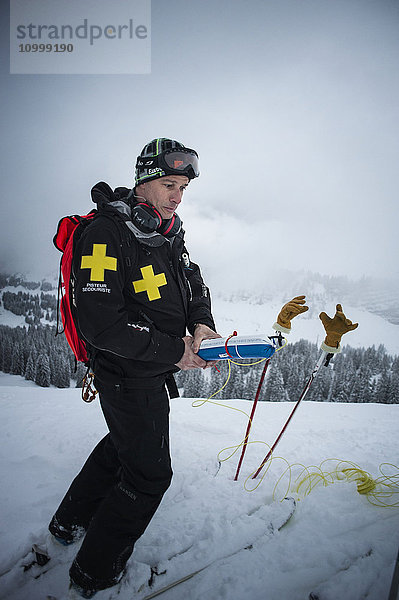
[[378, 296], [373, 303]]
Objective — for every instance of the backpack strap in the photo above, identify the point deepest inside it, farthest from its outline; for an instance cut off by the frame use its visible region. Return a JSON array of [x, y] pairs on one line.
[[125, 234]]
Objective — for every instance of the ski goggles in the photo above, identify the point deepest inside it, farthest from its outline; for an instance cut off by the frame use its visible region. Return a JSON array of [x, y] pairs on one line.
[[182, 161]]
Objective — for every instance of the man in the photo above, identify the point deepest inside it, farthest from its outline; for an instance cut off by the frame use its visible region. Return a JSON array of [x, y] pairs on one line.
[[136, 293]]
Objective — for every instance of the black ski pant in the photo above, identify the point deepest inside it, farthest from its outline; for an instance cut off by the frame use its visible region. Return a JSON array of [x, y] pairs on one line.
[[120, 486]]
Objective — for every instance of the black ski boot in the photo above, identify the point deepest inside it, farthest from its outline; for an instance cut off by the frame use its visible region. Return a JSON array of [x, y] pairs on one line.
[[65, 535], [85, 586]]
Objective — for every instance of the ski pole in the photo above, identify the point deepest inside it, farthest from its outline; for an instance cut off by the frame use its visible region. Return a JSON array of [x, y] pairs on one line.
[[324, 355], [262, 377]]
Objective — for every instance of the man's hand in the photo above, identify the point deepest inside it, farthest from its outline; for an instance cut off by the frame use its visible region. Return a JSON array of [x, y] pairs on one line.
[[190, 360], [203, 332], [336, 327]]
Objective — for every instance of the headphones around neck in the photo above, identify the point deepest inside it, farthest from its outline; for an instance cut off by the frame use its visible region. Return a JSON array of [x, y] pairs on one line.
[[148, 220]]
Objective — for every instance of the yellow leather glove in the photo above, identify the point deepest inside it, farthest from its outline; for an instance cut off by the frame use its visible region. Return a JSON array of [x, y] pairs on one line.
[[335, 329], [290, 310]]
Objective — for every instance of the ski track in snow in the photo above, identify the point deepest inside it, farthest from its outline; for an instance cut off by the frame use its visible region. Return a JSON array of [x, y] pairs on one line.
[[337, 545]]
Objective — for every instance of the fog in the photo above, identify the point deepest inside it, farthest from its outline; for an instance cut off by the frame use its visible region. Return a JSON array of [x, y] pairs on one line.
[[291, 105]]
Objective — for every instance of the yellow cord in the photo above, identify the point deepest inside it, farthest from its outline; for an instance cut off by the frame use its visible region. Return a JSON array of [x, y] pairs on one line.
[[198, 403], [377, 491]]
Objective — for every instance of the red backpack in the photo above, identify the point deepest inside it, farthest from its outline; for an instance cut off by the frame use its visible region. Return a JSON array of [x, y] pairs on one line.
[[68, 233]]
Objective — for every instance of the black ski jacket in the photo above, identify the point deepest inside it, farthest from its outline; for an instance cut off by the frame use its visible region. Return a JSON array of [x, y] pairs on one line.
[[134, 294]]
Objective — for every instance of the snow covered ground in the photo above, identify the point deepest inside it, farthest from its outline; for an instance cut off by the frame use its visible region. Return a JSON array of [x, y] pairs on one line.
[[337, 544]]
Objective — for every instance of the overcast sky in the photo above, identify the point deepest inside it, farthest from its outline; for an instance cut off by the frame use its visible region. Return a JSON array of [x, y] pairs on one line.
[[292, 106]]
